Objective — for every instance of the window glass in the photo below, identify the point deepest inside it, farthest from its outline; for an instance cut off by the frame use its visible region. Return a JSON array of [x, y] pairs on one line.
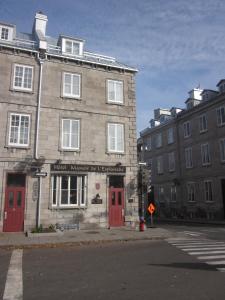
[[71, 85], [115, 137], [70, 134], [19, 199], [23, 76], [19, 130], [115, 91], [11, 199]]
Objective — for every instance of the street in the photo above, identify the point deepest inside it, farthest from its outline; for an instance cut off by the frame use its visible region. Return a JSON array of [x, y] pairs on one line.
[[176, 268]]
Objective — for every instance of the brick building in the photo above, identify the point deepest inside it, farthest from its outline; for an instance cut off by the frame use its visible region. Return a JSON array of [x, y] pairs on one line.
[[68, 133], [185, 150]]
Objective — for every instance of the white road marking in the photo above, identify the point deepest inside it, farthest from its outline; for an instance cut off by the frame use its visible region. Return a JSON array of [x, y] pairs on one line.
[[221, 269], [211, 257], [218, 262], [206, 252], [204, 248], [190, 245], [14, 281]]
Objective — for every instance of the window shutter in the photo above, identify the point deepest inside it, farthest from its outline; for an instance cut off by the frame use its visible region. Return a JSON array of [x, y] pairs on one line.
[[111, 137], [66, 134], [111, 91], [119, 92], [75, 134], [120, 139], [76, 85]]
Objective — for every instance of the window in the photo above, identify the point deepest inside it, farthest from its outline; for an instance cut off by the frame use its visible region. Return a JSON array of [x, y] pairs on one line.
[[70, 134], [203, 123], [159, 165], [23, 76], [161, 193], [205, 154], [208, 190], [4, 33], [115, 137], [72, 47], [171, 161], [19, 130], [170, 137], [115, 91], [221, 116], [173, 193], [188, 157], [191, 192], [148, 143], [158, 140], [222, 150], [71, 85], [69, 190], [187, 129]]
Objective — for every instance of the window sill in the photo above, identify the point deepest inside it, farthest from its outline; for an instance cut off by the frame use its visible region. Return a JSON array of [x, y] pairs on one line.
[[206, 165], [115, 103], [67, 207], [17, 147], [69, 150], [212, 201], [203, 131], [21, 91], [64, 97], [116, 153]]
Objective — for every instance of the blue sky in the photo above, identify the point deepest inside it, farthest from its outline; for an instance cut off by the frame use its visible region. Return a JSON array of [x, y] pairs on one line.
[[175, 44]]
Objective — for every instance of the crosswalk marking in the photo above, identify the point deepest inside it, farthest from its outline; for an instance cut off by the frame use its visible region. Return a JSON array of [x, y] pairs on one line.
[[208, 251], [14, 282]]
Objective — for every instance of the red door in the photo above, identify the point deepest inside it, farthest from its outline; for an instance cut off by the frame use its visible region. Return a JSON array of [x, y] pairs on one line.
[[116, 207], [14, 209]]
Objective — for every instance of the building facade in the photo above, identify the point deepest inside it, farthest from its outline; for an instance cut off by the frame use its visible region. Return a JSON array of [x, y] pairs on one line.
[[186, 155], [68, 133]]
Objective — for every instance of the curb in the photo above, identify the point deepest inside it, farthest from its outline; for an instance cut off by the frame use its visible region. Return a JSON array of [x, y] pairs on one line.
[[79, 243]]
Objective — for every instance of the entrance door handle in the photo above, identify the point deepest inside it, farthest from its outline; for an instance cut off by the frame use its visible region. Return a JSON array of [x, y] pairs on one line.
[[5, 215]]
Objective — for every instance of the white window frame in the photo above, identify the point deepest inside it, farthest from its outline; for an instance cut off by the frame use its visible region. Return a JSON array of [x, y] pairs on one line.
[[161, 194], [115, 84], [158, 140], [159, 164], [203, 124], [187, 129], [222, 149], [208, 190], [73, 42], [116, 149], [22, 88], [191, 194], [188, 157], [170, 135], [10, 33], [81, 201], [19, 130], [205, 153], [173, 193], [71, 94], [148, 143], [171, 161], [220, 112], [70, 136]]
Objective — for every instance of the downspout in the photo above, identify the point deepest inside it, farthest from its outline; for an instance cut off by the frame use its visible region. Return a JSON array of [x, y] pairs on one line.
[[36, 156]]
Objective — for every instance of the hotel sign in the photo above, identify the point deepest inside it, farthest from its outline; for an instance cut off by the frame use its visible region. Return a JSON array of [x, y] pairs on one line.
[[88, 168]]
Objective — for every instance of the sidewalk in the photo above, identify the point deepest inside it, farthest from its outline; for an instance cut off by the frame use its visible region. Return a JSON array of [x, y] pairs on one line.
[[82, 237]]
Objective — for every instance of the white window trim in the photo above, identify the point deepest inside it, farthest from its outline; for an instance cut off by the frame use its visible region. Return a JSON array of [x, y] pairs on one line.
[[187, 133], [108, 137], [14, 75], [115, 101], [205, 192], [10, 33], [70, 148], [67, 95], [222, 149], [81, 45], [201, 122], [194, 192], [79, 191], [203, 154], [171, 154], [219, 110], [189, 161], [170, 136], [10, 122]]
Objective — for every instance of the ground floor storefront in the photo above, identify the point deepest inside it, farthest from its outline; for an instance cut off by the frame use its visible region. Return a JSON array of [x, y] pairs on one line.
[[67, 196]]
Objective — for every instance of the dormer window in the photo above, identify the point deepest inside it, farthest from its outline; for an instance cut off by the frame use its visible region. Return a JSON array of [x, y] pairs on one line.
[[72, 47], [5, 33]]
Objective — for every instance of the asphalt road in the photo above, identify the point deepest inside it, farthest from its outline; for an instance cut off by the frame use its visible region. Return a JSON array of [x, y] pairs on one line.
[[156, 270]]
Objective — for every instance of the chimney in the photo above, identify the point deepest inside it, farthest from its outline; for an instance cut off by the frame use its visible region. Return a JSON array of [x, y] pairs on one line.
[[40, 23], [39, 29]]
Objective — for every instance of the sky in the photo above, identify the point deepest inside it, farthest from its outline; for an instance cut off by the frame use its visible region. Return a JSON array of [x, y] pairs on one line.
[[175, 44]]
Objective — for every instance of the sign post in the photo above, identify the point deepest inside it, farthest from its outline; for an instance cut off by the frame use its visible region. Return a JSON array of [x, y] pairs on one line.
[[151, 210]]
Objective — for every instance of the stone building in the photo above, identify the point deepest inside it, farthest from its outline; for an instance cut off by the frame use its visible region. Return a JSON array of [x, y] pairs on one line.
[[185, 150], [68, 133]]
